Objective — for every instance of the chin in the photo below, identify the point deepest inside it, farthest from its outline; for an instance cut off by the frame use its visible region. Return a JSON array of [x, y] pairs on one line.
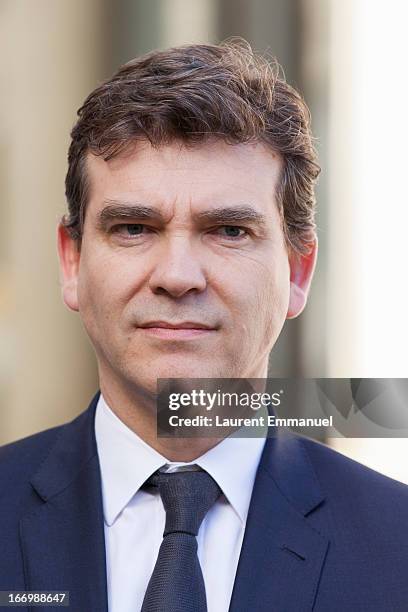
[[189, 371], [184, 368]]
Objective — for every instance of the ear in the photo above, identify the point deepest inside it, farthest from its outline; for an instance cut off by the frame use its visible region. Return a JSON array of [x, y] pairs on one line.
[[301, 274], [69, 255]]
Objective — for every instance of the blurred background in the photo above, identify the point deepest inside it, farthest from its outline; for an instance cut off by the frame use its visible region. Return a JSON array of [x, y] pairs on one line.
[[347, 57]]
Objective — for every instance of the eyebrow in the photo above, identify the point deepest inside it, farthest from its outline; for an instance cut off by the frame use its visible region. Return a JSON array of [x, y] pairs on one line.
[[117, 210], [240, 214], [220, 215]]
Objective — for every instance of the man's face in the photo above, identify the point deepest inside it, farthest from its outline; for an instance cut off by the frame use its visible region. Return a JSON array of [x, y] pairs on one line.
[[183, 269]]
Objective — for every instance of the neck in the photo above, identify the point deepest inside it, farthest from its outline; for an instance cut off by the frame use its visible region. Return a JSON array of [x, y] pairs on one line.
[[141, 417], [137, 409]]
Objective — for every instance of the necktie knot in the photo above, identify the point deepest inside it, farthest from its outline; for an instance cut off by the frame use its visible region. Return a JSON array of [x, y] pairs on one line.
[[187, 496]]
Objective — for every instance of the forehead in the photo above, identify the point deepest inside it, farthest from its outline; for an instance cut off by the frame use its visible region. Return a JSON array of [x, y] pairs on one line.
[[209, 174]]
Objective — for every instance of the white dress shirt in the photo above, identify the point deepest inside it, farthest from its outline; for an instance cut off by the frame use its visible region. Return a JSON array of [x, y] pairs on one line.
[[134, 518]]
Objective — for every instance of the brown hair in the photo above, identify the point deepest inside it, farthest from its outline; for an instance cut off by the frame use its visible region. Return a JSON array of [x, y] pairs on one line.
[[191, 93]]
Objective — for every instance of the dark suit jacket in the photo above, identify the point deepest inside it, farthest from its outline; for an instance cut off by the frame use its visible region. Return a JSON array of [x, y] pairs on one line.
[[323, 532]]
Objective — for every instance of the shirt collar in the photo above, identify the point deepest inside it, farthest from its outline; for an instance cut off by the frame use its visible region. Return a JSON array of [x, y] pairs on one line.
[[126, 462]]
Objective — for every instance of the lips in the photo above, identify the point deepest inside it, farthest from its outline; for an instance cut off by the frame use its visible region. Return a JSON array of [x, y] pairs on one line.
[[181, 325], [180, 331]]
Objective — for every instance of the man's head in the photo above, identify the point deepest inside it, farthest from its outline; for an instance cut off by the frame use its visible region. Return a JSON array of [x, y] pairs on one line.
[[191, 203]]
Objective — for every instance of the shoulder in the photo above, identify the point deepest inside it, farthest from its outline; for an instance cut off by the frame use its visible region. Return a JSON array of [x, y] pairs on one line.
[[338, 470], [21, 459], [357, 494], [364, 516]]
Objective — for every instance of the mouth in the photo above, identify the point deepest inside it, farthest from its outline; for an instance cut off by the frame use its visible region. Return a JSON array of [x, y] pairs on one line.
[[176, 331]]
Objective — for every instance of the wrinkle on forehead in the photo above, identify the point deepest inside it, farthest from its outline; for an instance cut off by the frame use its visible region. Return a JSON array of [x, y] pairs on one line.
[[177, 178]]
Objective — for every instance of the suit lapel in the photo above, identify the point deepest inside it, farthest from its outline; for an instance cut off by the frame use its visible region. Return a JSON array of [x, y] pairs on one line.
[[62, 536], [282, 555]]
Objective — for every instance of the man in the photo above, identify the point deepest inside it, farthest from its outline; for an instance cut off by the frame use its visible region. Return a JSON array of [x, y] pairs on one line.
[[189, 240]]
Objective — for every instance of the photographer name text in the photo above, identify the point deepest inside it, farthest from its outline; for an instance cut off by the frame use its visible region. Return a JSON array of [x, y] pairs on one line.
[[260, 421]]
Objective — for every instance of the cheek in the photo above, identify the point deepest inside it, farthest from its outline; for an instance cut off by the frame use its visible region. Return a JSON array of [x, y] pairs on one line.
[[257, 295], [270, 302], [98, 293], [275, 307], [103, 277]]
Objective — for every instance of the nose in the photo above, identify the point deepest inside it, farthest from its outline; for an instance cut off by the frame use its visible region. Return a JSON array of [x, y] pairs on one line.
[[178, 270]]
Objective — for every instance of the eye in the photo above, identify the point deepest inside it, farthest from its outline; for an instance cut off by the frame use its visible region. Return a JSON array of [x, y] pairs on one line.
[[231, 232], [134, 229], [129, 229]]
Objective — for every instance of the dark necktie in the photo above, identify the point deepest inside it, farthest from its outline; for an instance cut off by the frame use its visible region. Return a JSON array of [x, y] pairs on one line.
[[177, 583]]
